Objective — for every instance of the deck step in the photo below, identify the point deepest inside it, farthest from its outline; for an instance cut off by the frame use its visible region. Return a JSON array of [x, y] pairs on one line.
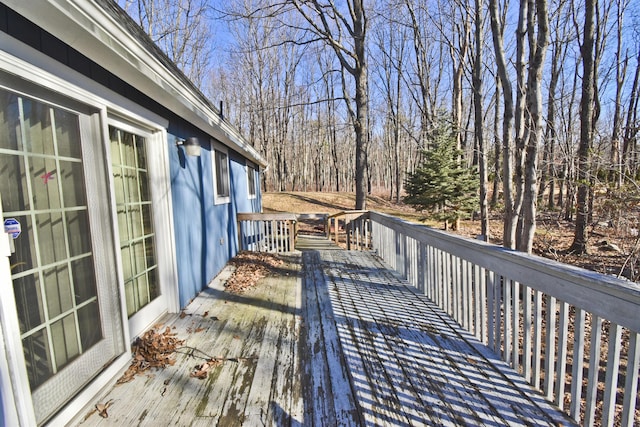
[[311, 242]]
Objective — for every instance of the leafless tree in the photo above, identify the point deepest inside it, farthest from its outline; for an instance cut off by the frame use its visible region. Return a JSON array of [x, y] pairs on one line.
[[478, 101], [622, 61], [345, 32], [510, 209], [180, 28], [580, 238], [538, 34]]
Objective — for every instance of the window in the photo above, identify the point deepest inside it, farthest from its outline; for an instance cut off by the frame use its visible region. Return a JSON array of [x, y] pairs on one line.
[[251, 181], [221, 176]]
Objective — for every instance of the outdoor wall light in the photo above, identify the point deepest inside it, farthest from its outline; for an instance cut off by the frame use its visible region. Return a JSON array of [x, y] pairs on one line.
[[191, 146]]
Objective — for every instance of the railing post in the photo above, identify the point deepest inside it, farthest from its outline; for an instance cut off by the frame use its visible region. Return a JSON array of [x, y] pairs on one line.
[[293, 236]]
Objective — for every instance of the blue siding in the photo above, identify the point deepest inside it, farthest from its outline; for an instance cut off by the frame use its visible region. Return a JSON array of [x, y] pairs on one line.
[[206, 233], [2, 420]]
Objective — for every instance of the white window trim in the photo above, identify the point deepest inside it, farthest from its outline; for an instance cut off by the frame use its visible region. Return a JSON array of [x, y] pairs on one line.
[[219, 200]]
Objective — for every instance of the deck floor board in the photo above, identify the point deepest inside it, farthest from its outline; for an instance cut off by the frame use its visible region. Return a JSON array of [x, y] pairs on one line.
[[338, 339]]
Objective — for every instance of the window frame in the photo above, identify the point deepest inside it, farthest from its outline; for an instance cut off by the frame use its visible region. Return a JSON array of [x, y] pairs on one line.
[[219, 199], [252, 190]]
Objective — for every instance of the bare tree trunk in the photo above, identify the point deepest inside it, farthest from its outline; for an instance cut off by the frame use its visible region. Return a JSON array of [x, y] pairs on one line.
[[478, 98], [328, 23], [631, 128], [615, 170], [580, 238], [537, 53], [496, 157], [549, 173], [423, 68], [458, 63], [510, 216], [519, 120]]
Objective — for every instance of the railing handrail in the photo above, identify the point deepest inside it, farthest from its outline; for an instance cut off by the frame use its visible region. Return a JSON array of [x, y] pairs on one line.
[[614, 299], [347, 212], [276, 216]]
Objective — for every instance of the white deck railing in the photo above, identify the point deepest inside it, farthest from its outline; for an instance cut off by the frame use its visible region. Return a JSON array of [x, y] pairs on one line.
[[266, 232], [571, 333]]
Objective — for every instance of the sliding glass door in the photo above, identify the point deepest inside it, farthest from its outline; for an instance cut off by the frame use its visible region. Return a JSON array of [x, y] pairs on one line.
[[65, 296]]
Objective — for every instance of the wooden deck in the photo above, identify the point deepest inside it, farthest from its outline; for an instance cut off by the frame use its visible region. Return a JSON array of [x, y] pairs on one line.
[[335, 339]]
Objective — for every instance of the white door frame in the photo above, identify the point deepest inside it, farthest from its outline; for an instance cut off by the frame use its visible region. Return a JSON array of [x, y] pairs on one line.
[[160, 182], [17, 405]]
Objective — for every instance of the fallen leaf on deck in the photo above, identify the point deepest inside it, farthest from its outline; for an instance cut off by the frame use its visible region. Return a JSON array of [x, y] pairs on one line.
[[202, 371], [102, 408]]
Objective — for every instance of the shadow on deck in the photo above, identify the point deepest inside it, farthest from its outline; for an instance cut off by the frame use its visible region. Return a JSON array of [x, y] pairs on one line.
[[336, 339]]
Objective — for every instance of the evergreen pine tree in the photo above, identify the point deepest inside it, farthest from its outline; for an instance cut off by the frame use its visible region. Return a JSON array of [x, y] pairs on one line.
[[442, 184]]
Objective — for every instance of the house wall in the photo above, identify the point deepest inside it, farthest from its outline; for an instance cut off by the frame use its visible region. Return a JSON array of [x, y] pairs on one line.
[[205, 232]]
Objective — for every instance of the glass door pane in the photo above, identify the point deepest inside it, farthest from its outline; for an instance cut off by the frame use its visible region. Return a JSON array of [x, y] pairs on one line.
[[135, 221]]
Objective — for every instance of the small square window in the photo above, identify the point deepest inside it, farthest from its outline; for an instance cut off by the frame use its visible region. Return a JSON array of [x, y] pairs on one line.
[[251, 181], [221, 177]]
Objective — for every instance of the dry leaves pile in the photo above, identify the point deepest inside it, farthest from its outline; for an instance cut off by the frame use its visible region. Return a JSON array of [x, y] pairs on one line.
[[250, 267], [152, 350]]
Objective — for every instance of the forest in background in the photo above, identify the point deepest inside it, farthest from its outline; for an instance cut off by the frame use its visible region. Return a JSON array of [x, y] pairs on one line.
[[542, 96]]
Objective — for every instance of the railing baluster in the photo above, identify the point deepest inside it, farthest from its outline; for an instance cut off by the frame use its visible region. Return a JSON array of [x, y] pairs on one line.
[[491, 310], [526, 332], [478, 300], [550, 347], [467, 306], [561, 365], [458, 290], [446, 290], [440, 277], [482, 298], [611, 378], [421, 268], [497, 314], [537, 339], [470, 306], [578, 362], [506, 303], [631, 381], [515, 329], [594, 363]]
